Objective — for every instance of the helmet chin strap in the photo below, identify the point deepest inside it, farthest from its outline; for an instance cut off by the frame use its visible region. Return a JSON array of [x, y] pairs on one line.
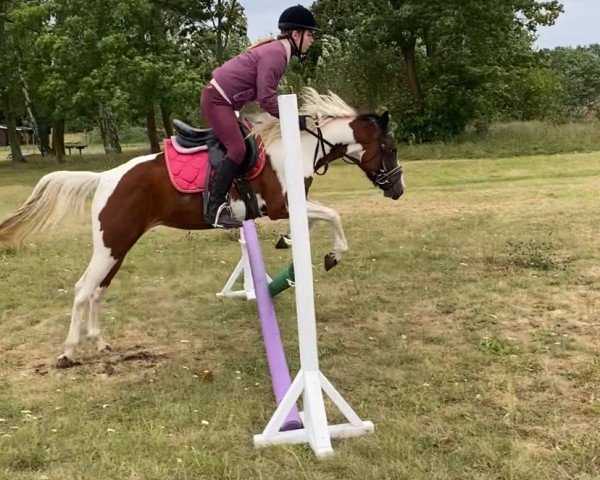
[[297, 51]]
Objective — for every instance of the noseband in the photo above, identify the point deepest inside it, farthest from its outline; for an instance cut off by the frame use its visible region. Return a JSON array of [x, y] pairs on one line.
[[381, 178]]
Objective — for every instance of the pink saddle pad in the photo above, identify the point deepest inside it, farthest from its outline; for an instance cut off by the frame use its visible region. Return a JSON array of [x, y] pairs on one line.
[[187, 170]]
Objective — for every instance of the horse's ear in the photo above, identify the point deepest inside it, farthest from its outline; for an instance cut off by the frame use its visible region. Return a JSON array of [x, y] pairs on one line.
[[385, 120]]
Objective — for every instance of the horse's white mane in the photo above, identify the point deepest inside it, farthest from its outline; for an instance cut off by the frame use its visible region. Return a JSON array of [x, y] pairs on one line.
[[330, 105], [320, 107]]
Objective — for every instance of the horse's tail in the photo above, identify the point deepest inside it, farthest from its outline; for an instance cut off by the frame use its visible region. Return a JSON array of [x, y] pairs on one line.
[[53, 197]]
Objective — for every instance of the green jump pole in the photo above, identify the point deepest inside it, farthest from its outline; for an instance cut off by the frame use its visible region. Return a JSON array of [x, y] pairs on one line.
[[282, 281]]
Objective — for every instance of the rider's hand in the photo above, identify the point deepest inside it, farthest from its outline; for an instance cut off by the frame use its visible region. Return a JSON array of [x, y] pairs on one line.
[[302, 122]]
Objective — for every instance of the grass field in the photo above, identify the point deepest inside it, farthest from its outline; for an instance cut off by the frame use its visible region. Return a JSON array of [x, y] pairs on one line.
[[463, 322]]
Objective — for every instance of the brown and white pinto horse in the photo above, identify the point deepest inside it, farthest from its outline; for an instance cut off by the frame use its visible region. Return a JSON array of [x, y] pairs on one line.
[[134, 197]]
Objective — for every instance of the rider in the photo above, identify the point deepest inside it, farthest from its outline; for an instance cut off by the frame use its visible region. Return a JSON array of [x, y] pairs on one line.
[[252, 75]]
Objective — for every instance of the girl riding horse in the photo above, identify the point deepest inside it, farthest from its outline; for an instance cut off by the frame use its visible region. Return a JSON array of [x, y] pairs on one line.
[[253, 75]]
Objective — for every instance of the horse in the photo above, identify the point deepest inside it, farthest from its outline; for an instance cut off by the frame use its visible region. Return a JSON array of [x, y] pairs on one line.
[[138, 195]]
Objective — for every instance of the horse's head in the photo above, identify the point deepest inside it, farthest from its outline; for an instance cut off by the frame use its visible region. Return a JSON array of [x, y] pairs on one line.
[[339, 131], [357, 138], [378, 153]]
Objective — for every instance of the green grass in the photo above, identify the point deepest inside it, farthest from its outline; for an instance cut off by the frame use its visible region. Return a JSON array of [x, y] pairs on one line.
[[462, 322]]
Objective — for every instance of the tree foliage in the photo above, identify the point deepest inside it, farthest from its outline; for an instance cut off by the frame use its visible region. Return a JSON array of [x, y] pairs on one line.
[[439, 66], [108, 63], [579, 72], [447, 56]]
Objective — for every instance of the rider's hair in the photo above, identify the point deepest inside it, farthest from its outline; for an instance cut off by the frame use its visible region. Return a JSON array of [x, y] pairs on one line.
[[263, 41]]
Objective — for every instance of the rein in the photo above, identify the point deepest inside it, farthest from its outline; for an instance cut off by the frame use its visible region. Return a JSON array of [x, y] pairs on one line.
[[381, 178]]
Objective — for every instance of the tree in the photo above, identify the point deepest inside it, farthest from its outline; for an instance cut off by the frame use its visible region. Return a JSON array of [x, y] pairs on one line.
[[112, 62], [450, 52], [227, 19], [10, 97], [579, 69], [219, 23]]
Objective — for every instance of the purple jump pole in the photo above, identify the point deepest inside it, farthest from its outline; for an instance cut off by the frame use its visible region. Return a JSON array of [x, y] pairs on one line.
[[280, 375]]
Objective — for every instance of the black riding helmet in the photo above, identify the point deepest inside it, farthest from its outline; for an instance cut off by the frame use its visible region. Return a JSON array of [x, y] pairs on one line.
[[297, 18]]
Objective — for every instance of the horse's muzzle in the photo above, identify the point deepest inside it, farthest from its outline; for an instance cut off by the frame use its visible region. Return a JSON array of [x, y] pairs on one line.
[[394, 192]]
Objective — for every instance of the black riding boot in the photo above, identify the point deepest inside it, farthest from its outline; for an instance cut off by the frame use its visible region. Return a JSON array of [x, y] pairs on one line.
[[218, 213]]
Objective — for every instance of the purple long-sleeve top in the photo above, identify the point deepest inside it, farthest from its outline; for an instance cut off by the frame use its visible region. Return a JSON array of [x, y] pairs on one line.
[[254, 75]]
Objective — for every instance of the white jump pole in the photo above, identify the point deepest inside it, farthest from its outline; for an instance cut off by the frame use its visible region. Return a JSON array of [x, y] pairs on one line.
[[309, 382]]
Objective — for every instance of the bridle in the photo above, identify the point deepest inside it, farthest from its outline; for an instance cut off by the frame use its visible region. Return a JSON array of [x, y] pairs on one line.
[[380, 178]]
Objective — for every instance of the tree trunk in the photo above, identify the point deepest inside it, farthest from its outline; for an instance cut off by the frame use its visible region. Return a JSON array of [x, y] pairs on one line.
[[9, 114], [166, 119], [11, 131], [232, 5], [32, 119], [151, 131], [430, 45], [410, 70], [58, 140], [219, 32], [44, 128], [219, 47], [108, 130]]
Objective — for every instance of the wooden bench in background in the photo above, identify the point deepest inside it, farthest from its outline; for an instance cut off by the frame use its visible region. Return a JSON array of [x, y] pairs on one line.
[[78, 146]]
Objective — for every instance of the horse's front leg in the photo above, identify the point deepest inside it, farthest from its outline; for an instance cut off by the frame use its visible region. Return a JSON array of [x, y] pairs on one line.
[[317, 211]]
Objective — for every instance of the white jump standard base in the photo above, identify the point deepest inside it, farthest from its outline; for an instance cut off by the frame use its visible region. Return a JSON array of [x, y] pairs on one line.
[[316, 431], [243, 269], [310, 382]]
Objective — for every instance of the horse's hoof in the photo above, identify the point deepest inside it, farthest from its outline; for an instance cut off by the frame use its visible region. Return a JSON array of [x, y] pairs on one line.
[[330, 261], [283, 243], [66, 362]]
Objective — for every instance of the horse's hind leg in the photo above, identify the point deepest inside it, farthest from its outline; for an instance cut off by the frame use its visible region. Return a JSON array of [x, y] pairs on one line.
[[94, 332], [85, 288], [284, 242]]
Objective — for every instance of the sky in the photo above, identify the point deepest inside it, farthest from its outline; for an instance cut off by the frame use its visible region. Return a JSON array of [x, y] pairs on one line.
[[263, 15], [578, 25]]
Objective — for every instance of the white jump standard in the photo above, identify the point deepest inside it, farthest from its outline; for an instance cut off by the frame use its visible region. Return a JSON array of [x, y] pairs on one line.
[[242, 269], [310, 382]]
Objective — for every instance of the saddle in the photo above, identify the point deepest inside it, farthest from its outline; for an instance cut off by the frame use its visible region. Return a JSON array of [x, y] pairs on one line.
[[189, 137], [193, 153]]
